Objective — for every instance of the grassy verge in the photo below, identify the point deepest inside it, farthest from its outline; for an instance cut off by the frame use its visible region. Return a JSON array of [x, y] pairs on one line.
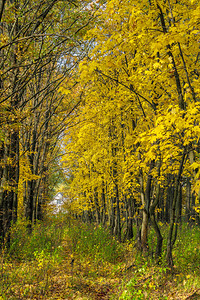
[[146, 280], [62, 260]]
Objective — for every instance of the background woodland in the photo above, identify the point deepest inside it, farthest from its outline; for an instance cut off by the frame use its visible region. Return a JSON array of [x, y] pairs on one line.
[[100, 101]]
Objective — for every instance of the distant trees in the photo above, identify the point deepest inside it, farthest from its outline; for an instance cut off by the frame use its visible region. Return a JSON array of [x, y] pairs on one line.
[[133, 149], [40, 44]]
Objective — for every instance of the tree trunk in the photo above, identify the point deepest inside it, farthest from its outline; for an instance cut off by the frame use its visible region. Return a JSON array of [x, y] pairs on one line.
[[146, 199], [118, 218], [188, 200], [112, 214], [129, 218], [103, 210], [97, 208], [158, 251], [171, 240]]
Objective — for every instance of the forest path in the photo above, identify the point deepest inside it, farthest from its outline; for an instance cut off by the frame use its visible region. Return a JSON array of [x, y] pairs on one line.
[[71, 262], [80, 279], [86, 280]]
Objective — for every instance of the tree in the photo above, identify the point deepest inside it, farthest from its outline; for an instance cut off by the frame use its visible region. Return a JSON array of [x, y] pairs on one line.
[[140, 111], [40, 46]]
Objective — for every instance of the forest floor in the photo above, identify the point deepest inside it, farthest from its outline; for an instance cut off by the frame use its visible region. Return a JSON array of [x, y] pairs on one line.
[[86, 263]]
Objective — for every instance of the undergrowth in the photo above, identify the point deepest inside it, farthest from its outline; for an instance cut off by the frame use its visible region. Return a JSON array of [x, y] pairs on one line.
[[66, 259], [151, 281], [95, 243]]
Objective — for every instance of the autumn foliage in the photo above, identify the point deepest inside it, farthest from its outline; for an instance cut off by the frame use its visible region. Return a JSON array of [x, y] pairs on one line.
[[132, 148], [100, 101]]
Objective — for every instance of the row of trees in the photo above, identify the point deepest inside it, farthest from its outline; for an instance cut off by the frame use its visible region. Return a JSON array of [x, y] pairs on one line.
[[132, 147], [40, 46]]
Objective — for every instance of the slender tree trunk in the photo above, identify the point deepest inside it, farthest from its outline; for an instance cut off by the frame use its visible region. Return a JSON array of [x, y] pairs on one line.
[[129, 218], [146, 203], [112, 214], [97, 207], [103, 211], [118, 217], [188, 200], [171, 240], [158, 251], [144, 230]]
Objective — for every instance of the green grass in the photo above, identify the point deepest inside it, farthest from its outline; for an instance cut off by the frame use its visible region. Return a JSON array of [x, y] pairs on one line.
[[39, 265], [96, 243], [45, 237], [149, 280]]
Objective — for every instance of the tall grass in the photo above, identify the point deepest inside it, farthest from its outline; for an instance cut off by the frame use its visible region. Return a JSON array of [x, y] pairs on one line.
[[96, 243], [149, 279], [32, 264], [45, 236], [30, 267], [26, 266]]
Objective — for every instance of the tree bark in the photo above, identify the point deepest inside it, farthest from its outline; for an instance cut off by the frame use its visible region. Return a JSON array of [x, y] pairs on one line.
[[146, 199], [171, 240]]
